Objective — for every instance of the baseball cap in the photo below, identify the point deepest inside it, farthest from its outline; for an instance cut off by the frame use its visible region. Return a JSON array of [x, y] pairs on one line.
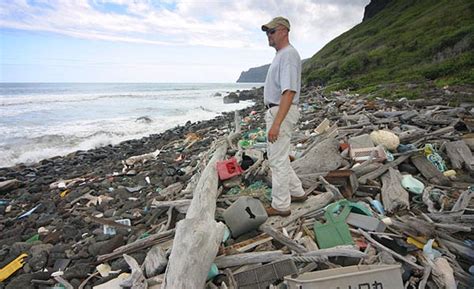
[[275, 22]]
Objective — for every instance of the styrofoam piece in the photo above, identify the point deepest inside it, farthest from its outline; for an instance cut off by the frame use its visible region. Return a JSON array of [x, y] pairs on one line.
[[110, 230], [322, 127], [362, 276]]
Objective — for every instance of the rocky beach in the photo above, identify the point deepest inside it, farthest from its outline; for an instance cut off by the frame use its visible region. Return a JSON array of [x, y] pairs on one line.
[[91, 210], [130, 159], [54, 188]]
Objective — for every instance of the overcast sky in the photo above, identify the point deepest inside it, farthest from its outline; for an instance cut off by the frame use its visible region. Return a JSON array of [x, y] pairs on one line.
[[157, 41]]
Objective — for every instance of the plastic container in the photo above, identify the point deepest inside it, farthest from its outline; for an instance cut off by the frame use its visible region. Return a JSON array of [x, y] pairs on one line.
[[262, 276], [413, 185], [363, 276], [378, 206], [228, 169], [244, 215]]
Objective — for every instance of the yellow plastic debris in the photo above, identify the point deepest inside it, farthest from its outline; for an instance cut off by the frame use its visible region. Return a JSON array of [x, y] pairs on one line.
[[64, 193], [450, 173], [420, 243], [12, 267]]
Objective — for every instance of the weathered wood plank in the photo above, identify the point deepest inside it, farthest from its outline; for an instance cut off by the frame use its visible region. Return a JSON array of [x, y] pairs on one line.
[[459, 154], [248, 258], [429, 171], [378, 172], [393, 194], [283, 239]]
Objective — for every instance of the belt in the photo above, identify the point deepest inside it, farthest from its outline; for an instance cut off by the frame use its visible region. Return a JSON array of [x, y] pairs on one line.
[[270, 105]]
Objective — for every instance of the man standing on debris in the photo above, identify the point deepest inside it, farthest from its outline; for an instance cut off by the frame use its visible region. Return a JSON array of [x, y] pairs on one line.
[[281, 96]]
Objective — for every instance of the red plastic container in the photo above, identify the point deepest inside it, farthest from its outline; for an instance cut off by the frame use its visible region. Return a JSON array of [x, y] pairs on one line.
[[228, 169]]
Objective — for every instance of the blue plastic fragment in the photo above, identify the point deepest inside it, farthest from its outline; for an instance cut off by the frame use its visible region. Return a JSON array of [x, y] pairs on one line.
[[378, 206], [226, 234], [390, 156], [29, 212], [213, 271], [403, 148]]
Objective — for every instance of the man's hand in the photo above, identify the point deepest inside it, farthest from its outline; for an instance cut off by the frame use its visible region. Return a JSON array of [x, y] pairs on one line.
[[273, 133]]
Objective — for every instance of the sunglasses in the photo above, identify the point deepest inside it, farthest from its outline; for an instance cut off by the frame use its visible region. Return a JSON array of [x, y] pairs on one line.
[[271, 31]]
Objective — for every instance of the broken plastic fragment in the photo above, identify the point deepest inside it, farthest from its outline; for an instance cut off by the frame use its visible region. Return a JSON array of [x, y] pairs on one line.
[[29, 212], [12, 267], [429, 252]]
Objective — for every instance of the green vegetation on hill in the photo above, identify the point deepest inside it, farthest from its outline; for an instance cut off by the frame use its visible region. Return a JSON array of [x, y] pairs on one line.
[[409, 41]]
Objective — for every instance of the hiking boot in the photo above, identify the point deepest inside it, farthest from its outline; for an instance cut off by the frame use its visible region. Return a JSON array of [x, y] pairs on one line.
[[274, 212], [299, 199]]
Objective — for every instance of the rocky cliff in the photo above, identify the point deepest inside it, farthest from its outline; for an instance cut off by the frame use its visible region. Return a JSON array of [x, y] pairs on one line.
[[400, 43], [255, 74], [374, 7]]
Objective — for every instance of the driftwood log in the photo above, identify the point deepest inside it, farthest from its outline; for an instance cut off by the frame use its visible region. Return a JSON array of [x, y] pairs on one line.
[[460, 155], [283, 239], [395, 254], [270, 256], [248, 258], [463, 201], [155, 261], [137, 245], [299, 210], [10, 185], [198, 236], [324, 157], [393, 194], [379, 171], [137, 279]]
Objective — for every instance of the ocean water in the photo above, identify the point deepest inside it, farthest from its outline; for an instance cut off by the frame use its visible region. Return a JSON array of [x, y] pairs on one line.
[[41, 120]]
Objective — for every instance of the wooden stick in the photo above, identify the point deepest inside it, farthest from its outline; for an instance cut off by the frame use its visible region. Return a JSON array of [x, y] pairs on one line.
[[248, 258], [138, 244], [283, 239], [378, 172]]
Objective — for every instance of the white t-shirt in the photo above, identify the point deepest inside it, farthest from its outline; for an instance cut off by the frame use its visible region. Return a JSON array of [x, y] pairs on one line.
[[284, 74]]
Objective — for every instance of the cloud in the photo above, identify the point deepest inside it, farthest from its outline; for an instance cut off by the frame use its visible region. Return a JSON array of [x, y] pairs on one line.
[[214, 23]]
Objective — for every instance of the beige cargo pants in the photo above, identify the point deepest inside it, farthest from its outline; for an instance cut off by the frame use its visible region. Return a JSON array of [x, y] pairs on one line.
[[285, 183]]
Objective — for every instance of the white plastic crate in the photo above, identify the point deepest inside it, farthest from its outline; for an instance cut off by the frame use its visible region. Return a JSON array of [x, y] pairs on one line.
[[352, 277]]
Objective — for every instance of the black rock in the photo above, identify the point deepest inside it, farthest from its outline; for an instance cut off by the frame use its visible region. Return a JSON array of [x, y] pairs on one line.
[[78, 270], [38, 261], [23, 281], [105, 247], [231, 98]]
